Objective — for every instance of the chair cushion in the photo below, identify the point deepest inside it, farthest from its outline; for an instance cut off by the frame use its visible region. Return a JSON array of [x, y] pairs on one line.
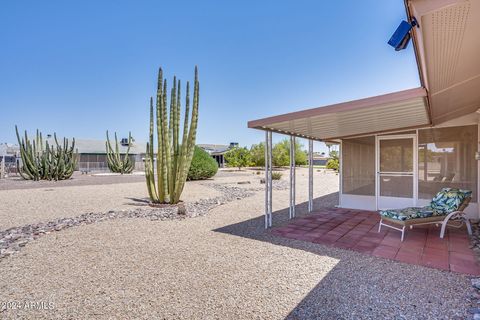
[[408, 213], [448, 200]]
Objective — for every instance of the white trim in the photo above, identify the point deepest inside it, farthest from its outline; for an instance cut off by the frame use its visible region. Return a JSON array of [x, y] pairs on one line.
[[310, 175], [353, 201], [340, 174], [478, 169], [415, 169], [377, 169]]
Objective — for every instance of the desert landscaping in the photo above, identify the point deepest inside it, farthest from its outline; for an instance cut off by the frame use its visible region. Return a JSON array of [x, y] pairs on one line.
[[129, 260]]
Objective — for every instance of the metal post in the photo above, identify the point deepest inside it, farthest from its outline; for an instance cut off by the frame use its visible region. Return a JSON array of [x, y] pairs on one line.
[[268, 179], [270, 185], [310, 175], [291, 211], [2, 168]]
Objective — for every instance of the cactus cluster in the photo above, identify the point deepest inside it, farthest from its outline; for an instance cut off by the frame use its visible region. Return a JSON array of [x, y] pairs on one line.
[[172, 158], [116, 163], [44, 161]]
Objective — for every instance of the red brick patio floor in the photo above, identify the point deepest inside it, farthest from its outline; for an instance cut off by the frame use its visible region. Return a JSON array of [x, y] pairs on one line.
[[358, 230]]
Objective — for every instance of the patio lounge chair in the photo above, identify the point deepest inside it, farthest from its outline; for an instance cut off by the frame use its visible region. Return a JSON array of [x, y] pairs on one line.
[[446, 208]]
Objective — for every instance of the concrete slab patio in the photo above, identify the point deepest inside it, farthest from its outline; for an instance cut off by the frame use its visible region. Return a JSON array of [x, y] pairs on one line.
[[358, 230]]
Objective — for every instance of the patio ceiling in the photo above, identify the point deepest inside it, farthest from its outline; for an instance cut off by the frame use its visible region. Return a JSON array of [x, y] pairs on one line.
[[395, 111]]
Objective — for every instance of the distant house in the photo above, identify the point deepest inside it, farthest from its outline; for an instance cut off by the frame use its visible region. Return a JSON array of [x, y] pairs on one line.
[[8, 149], [8, 158], [217, 151], [319, 159], [93, 156]]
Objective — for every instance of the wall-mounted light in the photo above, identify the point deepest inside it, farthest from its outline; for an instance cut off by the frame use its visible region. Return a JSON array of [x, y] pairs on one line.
[[401, 36]]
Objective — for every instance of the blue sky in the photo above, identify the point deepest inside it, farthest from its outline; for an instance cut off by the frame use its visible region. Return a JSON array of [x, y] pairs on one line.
[[82, 67]]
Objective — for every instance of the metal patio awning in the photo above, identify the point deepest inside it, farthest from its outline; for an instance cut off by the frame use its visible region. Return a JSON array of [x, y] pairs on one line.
[[394, 111]]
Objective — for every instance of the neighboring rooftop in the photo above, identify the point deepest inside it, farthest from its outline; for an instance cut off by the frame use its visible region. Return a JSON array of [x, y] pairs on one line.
[[8, 149], [92, 146], [216, 149]]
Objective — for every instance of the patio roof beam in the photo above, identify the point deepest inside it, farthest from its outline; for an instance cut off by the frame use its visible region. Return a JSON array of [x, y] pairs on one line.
[[291, 211], [395, 111]]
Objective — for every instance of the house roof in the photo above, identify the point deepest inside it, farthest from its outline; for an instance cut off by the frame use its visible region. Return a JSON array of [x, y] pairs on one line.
[[214, 149], [398, 110], [91, 146], [447, 47], [9, 149]]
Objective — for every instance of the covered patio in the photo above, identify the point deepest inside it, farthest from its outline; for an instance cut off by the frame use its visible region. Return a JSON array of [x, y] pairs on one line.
[[398, 150], [358, 230]]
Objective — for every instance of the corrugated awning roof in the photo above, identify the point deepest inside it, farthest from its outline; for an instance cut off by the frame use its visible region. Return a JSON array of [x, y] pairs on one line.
[[394, 111]]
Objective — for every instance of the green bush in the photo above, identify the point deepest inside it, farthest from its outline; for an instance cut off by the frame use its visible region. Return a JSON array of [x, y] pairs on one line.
[[238, 157], [333, 161], [333, 164], [203, 165], [276, 175]]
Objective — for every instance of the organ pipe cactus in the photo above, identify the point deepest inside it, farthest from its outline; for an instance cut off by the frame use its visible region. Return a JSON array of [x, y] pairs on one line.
[[44, 161], [115, 161], [173, 158]]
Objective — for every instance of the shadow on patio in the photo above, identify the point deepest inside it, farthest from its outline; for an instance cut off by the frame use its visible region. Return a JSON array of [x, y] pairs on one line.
[[381, 278]]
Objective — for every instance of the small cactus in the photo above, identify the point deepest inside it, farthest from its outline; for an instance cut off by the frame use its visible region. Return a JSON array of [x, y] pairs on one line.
[[172, 158], [46, 162], [115, 161]]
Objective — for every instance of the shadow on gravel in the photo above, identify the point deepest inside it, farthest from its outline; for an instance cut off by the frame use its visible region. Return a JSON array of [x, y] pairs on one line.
[[138, 201], [360, 286], [255, 229]]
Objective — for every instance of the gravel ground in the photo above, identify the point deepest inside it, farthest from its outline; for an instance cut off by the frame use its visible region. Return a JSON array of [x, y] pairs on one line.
[[78, 179], [220, 266], [25, 206]]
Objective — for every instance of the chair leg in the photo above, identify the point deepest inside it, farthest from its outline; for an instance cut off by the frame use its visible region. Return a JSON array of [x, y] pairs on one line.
[[403, 233], [380, 225], [469, 226], [445, 222]]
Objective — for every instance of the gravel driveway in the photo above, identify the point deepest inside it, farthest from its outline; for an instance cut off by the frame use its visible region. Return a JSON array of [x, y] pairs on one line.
[[220, 266]]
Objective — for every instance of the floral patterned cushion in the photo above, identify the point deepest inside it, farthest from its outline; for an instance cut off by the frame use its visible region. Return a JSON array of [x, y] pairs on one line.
[[444, 202], [449, 200], [407, 213]]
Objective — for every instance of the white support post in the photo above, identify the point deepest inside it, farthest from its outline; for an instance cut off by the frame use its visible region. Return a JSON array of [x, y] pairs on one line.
[[268, 179], [270, 184], [291, 211], [310, 175], [2, 169]]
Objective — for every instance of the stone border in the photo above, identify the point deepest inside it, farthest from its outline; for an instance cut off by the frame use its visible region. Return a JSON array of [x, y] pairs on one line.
[[13, 239]]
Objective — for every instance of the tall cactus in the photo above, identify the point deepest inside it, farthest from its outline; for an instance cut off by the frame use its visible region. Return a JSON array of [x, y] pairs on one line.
[[115, 161], [46, 162], [173, 158]]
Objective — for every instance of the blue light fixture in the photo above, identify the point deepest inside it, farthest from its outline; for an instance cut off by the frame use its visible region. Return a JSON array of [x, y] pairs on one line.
[[401, 36]]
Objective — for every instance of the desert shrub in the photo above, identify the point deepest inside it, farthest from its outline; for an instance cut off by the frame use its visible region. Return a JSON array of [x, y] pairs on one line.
[[276, 175], [281, 154], [333, 161], [203, 165], [238, 157], [332, 164], [257, 153]]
